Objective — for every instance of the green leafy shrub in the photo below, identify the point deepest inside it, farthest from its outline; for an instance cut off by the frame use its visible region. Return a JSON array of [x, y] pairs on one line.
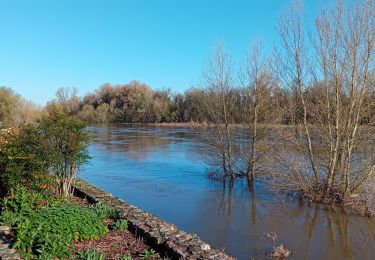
[[58, 227], [104, 212], [90, 254], [21, 202], [121, 224], [149, 253], [9, 218], [23, 153], [68, 140], [126, 257], [57, 144], [46, 228]]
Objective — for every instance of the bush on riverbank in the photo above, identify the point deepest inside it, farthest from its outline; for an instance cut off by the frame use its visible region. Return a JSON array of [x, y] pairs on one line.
[[23, 154], [30, 154], [68, 141]]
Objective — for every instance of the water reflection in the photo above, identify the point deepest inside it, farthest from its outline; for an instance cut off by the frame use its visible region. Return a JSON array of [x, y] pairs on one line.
[[161, 171], [138, 143]]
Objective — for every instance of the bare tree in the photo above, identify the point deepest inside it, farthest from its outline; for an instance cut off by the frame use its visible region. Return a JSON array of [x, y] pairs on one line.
[[346, 47], [339, 149], [293, 69], [258, 84], [68, 99], [219, 81]]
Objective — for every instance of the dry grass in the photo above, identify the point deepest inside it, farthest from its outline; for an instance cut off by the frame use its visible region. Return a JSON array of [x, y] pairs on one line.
[[280, 252], [360, 203]]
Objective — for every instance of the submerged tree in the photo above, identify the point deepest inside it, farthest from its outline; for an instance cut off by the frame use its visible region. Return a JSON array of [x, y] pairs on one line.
[[219, 81], [338, 149], [259, 108]]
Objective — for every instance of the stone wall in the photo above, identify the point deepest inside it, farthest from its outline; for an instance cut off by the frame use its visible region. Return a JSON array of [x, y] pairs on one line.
[[163, 237], [6, 253]]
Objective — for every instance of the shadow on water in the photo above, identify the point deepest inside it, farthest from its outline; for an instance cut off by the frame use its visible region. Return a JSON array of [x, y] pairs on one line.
[[161, 171]]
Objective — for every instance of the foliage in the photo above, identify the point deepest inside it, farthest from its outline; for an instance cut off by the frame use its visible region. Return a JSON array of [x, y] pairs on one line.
[[23, 154], [21, 203], [45, 227], [58, 144], [68, 142], [104, 212], [14, 109], [50, 231], [149, 253], [121, 224], [68, 99], [134, 102], [90, 254]]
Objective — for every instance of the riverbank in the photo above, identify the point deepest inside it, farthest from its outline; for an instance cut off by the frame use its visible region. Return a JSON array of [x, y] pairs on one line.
[[166, 238], [132, 232], [203, 125]]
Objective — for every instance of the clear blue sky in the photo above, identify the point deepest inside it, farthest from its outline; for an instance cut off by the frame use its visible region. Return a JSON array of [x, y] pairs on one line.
[[49, 44]]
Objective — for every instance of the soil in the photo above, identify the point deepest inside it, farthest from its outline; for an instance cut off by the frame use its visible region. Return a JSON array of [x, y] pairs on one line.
[[79, 201], [115, 244]]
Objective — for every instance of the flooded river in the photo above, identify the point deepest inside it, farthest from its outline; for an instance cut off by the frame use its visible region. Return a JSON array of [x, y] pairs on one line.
[[161, 170]]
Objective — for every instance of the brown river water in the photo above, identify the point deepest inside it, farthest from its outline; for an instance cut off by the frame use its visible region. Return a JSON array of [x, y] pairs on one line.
[[160, 170]]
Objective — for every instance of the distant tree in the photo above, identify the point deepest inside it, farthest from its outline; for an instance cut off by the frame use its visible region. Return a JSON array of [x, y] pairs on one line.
[[88, 114], [195, 99], [8, 104], [162, 105], [103, 113], [67, 98], [178, 109], [14, 109]]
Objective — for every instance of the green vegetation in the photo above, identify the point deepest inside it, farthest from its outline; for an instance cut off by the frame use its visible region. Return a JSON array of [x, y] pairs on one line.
[[68, 142], [149, 253], [38, 159], [23, 158], [29, 153], [45, 227], [121, 224], [21, 202], [104, 212]]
